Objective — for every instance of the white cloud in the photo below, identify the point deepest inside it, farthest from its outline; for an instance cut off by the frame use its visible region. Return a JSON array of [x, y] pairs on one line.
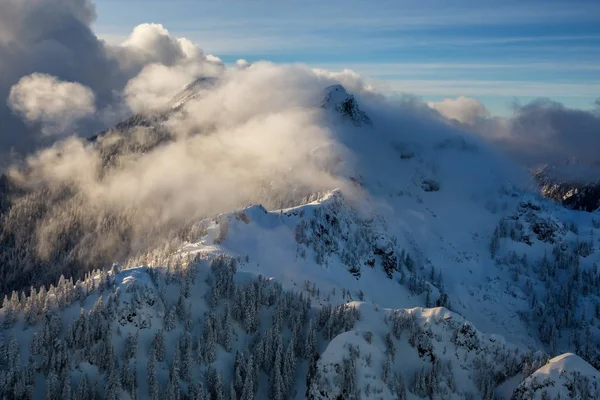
[[540, 132], [213, 59], [248, 139], [156, 84], [56, 104], [154, 43], [241, 63], [170, 63], [55, 38], [463, 109]]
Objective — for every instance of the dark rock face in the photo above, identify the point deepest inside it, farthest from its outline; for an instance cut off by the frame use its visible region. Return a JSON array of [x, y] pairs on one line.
[[339, 100], [585, 197], [576, 194]]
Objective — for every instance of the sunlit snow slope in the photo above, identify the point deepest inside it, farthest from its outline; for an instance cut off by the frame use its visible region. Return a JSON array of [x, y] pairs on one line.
[[430, 271]]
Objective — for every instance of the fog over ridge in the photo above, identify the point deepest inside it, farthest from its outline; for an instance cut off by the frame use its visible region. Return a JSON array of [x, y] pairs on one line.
[[258, 135]]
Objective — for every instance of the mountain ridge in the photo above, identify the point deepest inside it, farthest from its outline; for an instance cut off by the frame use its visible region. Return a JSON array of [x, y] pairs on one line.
[[427, 238]]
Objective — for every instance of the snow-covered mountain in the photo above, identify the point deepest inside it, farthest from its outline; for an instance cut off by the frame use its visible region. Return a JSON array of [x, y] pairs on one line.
[[565, 376], [337, 99], [433, 270]]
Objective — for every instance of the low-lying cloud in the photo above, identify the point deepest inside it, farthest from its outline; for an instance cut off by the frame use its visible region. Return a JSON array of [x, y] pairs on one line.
[[254, 133], [245, 135], [540, 132], [54, 38], [56, 105], [243, 138], [463, 109]]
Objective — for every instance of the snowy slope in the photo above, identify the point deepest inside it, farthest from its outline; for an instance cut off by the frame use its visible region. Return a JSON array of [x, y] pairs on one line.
[[433, 270], [566, 376]]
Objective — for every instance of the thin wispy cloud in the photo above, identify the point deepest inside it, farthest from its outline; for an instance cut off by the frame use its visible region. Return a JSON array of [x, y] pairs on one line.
[[410, 68], [498, 88], [529, 47], [359, 14]]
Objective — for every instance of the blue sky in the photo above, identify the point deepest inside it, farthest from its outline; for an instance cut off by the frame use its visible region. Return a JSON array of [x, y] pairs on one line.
[[497, 52]]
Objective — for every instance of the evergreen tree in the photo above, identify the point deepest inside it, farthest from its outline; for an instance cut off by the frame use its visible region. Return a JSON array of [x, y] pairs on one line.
[[175, 370], [52, 386], [387, 370], [13, 354], [289, 366], [276, 382], [170, 319], [197, 392], [238, 381], [30, 309], [208, 342], [186, 356], [495, 243], [311, 340], [248, 387], [66, 388], [173, 390], [126, 377], [83, 389], [226, 340], [180, 308], [193, 392], [390, 346], [419, 385], [215, 384], [96, 389], [113, 383], [10, 314], [3, 354], [231, 392], [399, 387], [153, 388], [131, 346], [349, 387], [158, 346]]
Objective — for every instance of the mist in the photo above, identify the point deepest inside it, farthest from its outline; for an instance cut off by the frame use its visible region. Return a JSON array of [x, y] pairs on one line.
[[248, 136], [232, 137], [49, 44], [541, 132], [195, 138]]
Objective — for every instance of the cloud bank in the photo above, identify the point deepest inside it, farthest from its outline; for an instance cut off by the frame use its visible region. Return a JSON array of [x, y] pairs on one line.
[[540, 132], [57, 105], [463, 109], [250, 134], [54, 38], [247, 137]]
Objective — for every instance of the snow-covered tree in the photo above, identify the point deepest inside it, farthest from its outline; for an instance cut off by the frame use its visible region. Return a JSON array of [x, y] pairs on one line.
[[390, 346], [226, 339], [170, 319], [153, 386], [289, 365], [83, 388], [276, 382], [248, 386], [158, 346]]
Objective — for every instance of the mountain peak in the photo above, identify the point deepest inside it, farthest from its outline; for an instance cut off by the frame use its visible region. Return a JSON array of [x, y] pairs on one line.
[[564, 376], [338, 99], [192, 90]]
